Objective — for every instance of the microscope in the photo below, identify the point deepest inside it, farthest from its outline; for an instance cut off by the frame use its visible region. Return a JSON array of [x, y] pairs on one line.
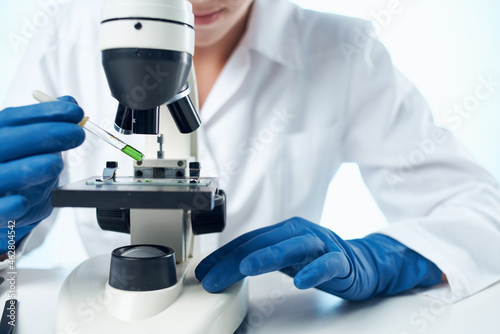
[[149, 286]]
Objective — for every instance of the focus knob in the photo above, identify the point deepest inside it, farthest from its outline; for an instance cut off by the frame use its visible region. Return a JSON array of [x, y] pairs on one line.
[[116, 220], [204, 222]]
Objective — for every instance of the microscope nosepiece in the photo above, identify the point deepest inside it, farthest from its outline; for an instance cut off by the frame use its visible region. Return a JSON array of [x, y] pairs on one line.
[[183, 111], [132, 121]]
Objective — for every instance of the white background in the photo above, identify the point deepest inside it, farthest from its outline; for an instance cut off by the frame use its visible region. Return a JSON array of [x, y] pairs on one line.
[[443, 46]]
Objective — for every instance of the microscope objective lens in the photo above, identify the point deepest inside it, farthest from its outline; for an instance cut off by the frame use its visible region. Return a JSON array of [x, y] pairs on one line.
[[133, 153]]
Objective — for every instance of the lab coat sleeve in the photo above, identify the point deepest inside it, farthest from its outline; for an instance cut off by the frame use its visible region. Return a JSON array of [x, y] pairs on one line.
[[438, 201], [38, 69]]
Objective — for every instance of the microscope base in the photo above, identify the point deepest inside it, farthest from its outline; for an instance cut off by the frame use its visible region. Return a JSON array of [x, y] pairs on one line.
[[87, 304]]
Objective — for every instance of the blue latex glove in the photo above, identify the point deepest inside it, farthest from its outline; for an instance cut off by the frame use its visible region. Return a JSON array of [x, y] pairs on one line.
[[32, 138], [316, 257]]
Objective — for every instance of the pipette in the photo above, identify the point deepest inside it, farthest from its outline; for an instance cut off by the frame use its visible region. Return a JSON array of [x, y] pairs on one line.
[[96, 130]]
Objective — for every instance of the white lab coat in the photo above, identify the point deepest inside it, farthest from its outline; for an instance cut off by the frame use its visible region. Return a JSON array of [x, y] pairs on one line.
[[303, 93]]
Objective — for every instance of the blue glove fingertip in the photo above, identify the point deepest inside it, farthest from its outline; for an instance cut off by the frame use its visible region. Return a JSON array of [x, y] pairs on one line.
[[200, 273], [207, 264], [302, 281], [246, 268], [203, 268], [219, 278], [75, 112], [210, 285], [71, 111], [67, 98], [55, 111], [78, 137], [64, 136]]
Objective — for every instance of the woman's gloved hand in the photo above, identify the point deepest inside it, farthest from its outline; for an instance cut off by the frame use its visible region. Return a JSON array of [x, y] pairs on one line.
[[316, 257], [31, 139]]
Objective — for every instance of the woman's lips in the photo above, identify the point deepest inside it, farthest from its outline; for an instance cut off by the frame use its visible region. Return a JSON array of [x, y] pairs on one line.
[[207, 17]]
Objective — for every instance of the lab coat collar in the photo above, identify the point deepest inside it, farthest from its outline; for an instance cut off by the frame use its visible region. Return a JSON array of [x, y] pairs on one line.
[[273, 31]]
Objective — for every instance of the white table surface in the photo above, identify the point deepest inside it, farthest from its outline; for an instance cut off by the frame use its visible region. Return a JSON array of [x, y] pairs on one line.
[[277, 307]]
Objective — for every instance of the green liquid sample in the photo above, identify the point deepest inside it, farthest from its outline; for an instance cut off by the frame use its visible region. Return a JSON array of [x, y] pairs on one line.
[[133, 153]]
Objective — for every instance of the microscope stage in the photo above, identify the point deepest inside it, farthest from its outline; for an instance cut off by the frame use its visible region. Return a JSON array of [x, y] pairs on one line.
[[137, 193]]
